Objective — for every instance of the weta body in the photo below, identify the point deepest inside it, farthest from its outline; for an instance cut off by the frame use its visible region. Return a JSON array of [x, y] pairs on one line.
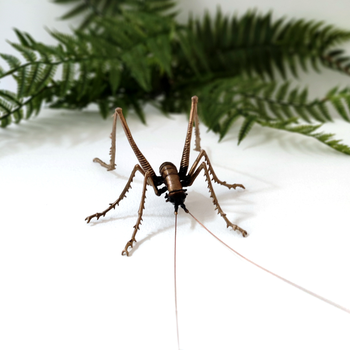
[[173, 182], [170, 180]]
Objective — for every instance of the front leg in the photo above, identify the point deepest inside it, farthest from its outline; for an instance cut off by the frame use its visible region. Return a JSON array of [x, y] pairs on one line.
[[122, 195], [139, 218], [111, 165], [211, 170], [203, 166]]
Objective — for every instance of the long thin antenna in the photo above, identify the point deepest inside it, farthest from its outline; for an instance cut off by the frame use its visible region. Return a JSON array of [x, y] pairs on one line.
[[177, 322], [274, 274]]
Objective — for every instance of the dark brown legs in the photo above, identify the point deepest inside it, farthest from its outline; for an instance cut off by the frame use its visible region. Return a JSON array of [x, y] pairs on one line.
[[111, 165], [211, 171], [144, 168], [146, 180], [139, 218], [204, 167], [122, 195]]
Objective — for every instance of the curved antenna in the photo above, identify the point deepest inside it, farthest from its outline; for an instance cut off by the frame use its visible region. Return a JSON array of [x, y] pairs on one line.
[[187, 147], [177, 321], [274, 274]]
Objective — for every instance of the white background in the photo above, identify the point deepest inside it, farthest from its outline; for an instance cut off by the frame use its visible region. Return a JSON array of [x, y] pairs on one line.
[[64, 284]]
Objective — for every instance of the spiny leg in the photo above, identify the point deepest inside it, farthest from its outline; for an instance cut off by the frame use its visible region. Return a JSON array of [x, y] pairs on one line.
[[122, 195], [185, 159], [211, 170], [111, 165], [197, 133], [139, 218], [203, 166]]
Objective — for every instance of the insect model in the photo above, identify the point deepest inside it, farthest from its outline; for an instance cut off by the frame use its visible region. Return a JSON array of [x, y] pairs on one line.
[[170, 180], [173, 182]]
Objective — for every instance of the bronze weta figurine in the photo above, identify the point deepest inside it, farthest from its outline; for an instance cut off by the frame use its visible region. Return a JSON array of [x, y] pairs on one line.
[[170, 179]]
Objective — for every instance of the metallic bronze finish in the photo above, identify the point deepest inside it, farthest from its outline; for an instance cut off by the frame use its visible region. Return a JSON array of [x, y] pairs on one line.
[[170, 180], [171, 177], [187, 147], [143, 161], [141, 158], [111, 165]]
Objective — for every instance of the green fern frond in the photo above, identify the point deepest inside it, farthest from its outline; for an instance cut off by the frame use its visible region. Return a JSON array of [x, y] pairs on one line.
[[231, 118], [134, 60], [67, 77], [256, 44], [130, 53], [309, 130], [5, 106], [28, 54], [93, 9], [22, 77], [268, 104], [10, 97], [12, 61], [245, 128], [103, 107]]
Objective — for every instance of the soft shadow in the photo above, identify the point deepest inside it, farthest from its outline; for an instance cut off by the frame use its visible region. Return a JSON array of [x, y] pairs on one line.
[[60, 127]]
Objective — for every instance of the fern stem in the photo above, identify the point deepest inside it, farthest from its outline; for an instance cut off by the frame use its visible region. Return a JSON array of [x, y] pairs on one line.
[[20, 106], [28, 64], [281, 103]]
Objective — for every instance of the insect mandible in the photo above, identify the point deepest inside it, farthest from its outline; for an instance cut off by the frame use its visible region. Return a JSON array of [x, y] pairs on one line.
[[170, 179]]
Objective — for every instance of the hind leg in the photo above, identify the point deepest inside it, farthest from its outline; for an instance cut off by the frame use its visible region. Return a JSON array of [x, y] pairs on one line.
[[211, 171], [122, 195], [203, 167]]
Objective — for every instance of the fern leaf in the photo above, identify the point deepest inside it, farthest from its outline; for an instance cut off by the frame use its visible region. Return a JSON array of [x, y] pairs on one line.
[[27, 53], [276, 110], [245, 128], [29, 109], [46, 74], [32, 77], [5, 121], [10, 97], [114, 76], [339, 106], [135, 61], [18, 115], [301, 112], [287, 111], [21, 78], [282, 92], [324, 111], [104, 108], [303, 96], [314, 113], [309, 130], [5, 106], [67, 77], [138, 110], [12, 61], [76, 11], [232, 117], [21, 37], [269, 90], [160, 47]]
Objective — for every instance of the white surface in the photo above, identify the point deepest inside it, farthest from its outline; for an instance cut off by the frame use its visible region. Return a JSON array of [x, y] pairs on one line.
[[64, 284]]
